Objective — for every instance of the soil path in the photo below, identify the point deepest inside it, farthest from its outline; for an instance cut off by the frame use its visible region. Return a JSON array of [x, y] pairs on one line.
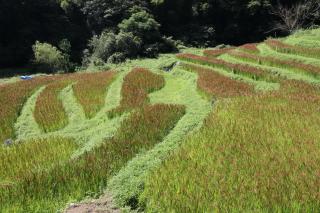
[[101, 205]]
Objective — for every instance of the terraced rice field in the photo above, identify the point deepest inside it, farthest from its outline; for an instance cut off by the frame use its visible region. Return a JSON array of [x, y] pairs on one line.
[[233, 129]]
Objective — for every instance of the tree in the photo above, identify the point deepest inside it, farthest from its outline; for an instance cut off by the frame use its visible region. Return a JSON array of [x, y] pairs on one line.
[[48, 58], [142, 25], [102, 14], [295, 17]]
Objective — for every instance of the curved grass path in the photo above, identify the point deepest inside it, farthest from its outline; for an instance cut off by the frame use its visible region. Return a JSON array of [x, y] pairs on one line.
[[181, 88], [26, 125]]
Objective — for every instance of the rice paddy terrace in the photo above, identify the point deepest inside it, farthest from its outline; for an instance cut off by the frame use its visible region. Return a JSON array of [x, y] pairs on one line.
[[234, 129]]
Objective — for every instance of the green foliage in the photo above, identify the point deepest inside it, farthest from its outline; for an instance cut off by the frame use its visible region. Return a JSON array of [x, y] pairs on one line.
[[142, 25], [113, 48], [48, 58]]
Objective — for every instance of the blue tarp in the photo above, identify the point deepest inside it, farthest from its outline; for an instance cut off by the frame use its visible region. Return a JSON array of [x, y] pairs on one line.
[[26, 77]]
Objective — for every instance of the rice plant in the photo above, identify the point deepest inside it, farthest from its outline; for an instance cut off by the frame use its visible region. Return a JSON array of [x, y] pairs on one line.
[[217, 52], [12, 99], [250, 48], [256, 154], [291, 49], [90, 90], [308, 69], [50, 189], [218, 85], [246, 70], [135, 89], [49, 112]]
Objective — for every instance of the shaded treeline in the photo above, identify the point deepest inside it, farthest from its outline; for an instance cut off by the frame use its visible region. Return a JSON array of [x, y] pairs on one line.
[[193, 22]]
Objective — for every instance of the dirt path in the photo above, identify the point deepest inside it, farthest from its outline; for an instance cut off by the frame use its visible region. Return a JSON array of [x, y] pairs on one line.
[[101, 205]]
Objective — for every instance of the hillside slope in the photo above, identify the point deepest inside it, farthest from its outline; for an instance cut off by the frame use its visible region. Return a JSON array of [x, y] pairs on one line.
[[222, 129]]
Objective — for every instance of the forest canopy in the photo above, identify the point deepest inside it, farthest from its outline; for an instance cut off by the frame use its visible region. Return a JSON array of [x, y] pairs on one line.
[[102, 31]]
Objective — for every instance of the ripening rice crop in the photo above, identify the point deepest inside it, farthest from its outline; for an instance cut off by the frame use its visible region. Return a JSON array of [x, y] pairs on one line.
[[12, 98], [291, 49], [49, 190], [217, 52], [26, 157], [246, 70], [218, 85], [257, 154], [135, 89], [251, 48], [49, 112], [90, 90], [271, 61]]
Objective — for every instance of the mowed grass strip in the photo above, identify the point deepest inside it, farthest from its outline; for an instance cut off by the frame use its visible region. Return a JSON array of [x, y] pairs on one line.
[[256, 154], [12, 98], [217, 52], [308, 69], [90, 90], [49, 112], [241, 69], [50, 190], [135, 89], [291, 49], [217, 85]]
